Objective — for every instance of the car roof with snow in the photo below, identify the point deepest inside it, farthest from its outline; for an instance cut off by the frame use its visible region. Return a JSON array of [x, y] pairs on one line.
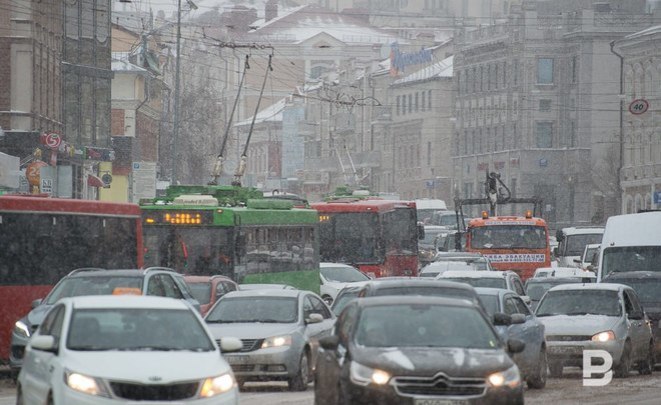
[[590, 286]]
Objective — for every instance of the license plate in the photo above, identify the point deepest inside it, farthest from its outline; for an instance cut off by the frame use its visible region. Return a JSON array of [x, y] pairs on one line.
[[234, 360], [438, 401], [567, 350]]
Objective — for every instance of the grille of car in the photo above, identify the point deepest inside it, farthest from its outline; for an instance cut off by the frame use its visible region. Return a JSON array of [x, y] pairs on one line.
[[155, 392], [567, 338], [439, 385], [249, 345]]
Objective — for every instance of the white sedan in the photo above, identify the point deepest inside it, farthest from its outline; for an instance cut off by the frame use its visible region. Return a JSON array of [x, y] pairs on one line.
[[125, 349], [336, 276]]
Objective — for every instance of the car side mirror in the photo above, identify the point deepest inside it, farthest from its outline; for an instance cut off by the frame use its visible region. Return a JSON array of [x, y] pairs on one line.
[[44, 342], [501, 319], [329, 342], [230, 344], [515, 346], [518, 319], [314, 318], [36, 303]]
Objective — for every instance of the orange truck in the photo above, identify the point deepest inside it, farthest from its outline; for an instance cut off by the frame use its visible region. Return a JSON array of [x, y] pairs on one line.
[[517, 243]]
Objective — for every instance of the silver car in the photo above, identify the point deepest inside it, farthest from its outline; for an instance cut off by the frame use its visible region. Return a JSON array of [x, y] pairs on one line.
[[279, 329], [601, 316], [525, 327]]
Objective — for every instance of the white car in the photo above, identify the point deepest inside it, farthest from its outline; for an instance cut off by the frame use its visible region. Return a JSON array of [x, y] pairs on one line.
[[434, 269], [336, 276], [125, 349], [508, 280]]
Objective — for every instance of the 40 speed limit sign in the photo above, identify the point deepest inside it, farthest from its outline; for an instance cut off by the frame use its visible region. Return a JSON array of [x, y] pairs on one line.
[[639, 106]]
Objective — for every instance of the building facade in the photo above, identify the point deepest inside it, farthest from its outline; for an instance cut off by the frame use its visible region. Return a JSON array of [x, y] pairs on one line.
[[537, 102]]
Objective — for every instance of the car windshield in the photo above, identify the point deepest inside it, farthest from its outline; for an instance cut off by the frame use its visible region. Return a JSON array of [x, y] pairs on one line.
[[580, 302], [631, 258], [489, 303], [254, 309], [92, 285], [135, 329], [575, 244], [480, 282], [343, 298], [201, 292], [536, 290], [424, 325], [343, 274], [508, 236]]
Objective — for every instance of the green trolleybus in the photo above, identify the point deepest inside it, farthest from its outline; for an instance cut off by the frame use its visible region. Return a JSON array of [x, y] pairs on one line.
[[232, 231]]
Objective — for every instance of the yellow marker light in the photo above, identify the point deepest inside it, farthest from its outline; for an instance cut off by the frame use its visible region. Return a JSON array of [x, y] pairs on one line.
[[150, 220], [528, 214], [485, 215]]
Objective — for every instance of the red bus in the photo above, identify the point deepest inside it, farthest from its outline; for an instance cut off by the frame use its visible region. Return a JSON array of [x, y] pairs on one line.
[[513, 243], [380, 237], [42, 239]]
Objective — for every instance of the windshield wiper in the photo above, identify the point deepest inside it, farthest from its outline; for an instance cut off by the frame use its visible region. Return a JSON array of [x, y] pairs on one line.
[[91, 348], [149, 348], [547, 314], [248, 321]]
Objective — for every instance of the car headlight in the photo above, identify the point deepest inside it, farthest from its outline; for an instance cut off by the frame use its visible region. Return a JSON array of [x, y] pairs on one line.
[[85, 384], [363, 375], [605, 336], [21, 329], [277, 341], [217, 385], [510, 377]]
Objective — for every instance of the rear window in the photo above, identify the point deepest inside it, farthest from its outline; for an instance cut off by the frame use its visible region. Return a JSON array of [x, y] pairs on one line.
[[426, 291], [93, 285]]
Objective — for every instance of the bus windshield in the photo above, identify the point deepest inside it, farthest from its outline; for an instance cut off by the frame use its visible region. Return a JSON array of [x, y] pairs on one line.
[[195, 251], [350, 237], [631, 258], [508, 237]]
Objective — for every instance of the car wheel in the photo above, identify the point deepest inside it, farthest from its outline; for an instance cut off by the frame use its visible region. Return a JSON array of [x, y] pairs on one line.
[[623, 368], [646, 366], [538, 380], [300, 381], [327, 299], [555, 369]]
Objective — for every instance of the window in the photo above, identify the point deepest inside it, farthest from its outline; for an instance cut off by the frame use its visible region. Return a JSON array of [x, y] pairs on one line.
[[515, 72], [399, 104], [410, 103], [544, 134], [545, 105], [428, 152], [429, 99], [417, 101], [544, 71], [318, 307], [424, 107], [403, 104], [572, 134], [573, 68]]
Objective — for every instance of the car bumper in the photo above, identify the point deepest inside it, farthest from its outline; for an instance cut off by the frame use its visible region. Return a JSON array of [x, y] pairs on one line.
[[71, 397], [17, 351], [388, 395], [571, 353], [278, 363]]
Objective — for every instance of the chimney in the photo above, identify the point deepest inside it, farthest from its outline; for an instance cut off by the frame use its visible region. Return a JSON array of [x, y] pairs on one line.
[[270, 10]]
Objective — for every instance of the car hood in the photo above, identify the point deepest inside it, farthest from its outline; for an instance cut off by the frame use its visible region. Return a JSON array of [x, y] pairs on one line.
[[454, 362], [149, 367], [37, 315], [251, 330], [577, 324]]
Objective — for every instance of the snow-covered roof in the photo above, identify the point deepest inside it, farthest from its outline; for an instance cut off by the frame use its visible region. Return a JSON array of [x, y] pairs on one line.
[[272, 113], [301, 23], [120, 63], [443, 68]]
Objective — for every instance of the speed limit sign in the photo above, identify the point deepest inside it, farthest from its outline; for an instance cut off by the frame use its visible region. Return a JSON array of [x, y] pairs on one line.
[[639, 106]]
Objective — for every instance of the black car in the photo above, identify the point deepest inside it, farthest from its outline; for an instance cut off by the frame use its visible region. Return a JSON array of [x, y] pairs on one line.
[[416, 349], [536, 287], [647, 285], [343, 297], [435, 288]]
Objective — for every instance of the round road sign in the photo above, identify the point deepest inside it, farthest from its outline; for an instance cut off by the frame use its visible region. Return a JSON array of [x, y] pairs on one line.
[[53, 140], [639, 106]]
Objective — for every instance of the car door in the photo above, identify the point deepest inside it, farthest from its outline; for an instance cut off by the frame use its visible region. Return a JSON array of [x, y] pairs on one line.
[[526, 332], [637, 325], [39, 363], [330, 363], [315, 331]]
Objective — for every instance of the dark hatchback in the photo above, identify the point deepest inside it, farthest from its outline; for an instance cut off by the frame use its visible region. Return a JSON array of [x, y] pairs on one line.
[[416, 350], [647, 285]]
